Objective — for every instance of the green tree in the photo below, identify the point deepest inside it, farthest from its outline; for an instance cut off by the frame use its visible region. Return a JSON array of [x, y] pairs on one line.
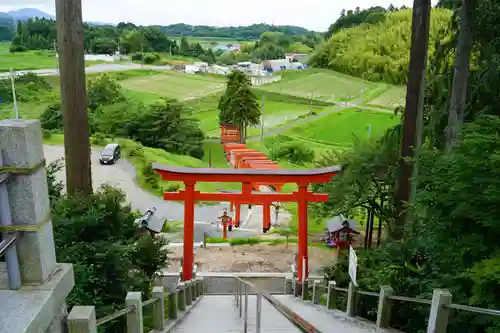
[[184, 48], [165, 125], [239, 104], [103, 90]]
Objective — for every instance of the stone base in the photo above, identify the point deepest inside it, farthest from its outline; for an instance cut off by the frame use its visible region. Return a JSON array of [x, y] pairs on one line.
[[38, 307]]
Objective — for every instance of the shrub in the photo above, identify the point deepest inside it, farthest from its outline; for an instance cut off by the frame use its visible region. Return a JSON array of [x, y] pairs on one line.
[[51, 118], [47, 134], [151, 58], [173, 187], [294, 152]]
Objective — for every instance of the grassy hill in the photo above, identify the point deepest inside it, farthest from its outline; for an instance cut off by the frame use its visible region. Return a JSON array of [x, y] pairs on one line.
[[379, 51]]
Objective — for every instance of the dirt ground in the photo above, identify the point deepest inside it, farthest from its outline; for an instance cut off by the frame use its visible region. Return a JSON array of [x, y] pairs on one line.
[[251, 258]]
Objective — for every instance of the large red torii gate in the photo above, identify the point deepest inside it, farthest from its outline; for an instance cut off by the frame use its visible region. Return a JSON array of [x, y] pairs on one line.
[[190, 176]]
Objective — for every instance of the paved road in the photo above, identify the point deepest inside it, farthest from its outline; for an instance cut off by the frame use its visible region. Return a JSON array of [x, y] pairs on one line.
[[123, 174], [91, 69]]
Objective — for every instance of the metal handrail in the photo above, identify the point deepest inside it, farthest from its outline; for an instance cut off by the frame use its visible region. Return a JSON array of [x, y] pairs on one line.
[[410, 299], [6, 243], [149, 302], [289, 314], [115, 315], [474, 309]]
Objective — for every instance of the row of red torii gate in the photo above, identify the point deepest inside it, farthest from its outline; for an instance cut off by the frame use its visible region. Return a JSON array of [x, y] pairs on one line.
[[250, 179]]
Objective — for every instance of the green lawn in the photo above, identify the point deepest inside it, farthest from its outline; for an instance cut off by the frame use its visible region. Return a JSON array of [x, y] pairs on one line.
[[340, 128], [319, 84], [175, 85], [4, 46], [27, 60], [27, 110], [394, 96]]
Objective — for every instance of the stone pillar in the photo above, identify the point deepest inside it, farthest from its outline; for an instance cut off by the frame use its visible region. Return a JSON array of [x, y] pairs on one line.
[[288, 286], [187, 291], [438, 318], [22, 150], [172, 305], [159, 308], [82, 320], [384, 307], [305, 290], [181, 296], [297, 288], [351, 300], [330, 296], [316, 293], [134, 318]]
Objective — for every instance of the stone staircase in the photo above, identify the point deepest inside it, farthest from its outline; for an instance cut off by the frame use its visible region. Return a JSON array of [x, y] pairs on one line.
[[218, 313]]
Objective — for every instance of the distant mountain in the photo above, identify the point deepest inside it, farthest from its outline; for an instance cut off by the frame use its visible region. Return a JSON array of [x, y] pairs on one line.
[[24, 14]]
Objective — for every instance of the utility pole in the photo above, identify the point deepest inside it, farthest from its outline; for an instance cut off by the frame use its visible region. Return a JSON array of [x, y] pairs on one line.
[[54, 43], [413, 116], [262, 118], [74, 97], [142, 55], [13, 84]]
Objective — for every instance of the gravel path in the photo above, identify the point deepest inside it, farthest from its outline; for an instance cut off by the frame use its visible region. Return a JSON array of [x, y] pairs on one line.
[[122, 174]]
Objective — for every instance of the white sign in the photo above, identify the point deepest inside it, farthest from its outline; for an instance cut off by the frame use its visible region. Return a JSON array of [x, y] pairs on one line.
[[353, 263]]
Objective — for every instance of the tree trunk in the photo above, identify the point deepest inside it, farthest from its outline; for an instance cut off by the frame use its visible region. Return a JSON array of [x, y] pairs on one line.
[[461, 73], [73, 96], [413, 116]]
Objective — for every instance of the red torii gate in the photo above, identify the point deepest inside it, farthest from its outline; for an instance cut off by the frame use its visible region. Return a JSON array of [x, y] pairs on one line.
[[190, 176]]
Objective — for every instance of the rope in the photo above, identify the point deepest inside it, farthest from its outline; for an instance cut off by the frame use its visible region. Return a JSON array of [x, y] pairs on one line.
[[22, 171], [26, 228]]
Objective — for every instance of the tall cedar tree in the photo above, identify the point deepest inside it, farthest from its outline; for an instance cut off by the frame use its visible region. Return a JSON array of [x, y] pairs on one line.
[[239, 104]]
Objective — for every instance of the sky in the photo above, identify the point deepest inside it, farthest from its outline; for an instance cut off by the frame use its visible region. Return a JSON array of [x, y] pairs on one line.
[[312, 14]]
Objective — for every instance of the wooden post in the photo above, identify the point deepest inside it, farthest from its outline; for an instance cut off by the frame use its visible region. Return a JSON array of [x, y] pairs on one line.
[[82, 319], [330, 296], [188, 254], [134, 318], [384, 307], [159, 308], [438, 318], [351, 300], [237, 214], [172, 305], [413, 115], [266, 212], [302, 264], [74, 96]]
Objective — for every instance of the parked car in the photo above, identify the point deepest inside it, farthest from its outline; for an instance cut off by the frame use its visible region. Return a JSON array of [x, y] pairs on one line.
[[110, 154]]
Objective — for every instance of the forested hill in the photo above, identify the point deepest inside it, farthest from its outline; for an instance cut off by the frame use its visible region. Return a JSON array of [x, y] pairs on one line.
[[378, 49], [250, 32]]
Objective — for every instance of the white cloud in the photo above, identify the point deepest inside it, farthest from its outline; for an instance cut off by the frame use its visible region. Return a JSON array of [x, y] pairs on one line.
[[312, 14]]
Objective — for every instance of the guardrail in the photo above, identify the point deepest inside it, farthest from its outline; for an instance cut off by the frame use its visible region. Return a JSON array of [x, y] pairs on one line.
[[440, 304], [7, 245], [168, 307], [242, 288]]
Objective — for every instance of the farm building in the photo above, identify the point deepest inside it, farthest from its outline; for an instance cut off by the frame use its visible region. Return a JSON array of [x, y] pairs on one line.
[[297, 57], [273, 66]]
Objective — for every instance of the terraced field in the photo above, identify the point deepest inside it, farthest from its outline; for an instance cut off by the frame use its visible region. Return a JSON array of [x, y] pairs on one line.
[[175, 85]]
